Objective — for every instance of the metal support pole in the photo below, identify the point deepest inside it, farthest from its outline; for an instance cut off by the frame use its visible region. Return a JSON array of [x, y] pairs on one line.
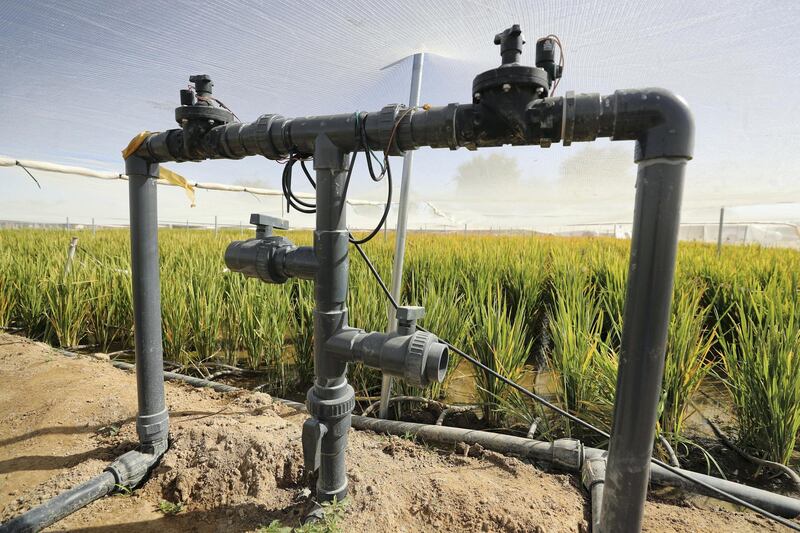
[[402, 228], [153, 420], [719, 233], [67, 226], [216, 227], [654, 244], [331, 400], [94, 228]]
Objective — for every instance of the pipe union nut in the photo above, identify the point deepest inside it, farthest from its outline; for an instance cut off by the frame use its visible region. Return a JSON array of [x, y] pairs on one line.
[[323, 409], [426, 360]]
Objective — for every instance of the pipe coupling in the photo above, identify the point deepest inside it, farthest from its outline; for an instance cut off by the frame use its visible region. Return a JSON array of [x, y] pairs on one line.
[[426, 360], [388, 118], [568, 454], [152, 428]]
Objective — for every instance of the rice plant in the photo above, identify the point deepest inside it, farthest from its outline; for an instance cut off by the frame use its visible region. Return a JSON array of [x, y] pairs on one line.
[[67, 309], [174, 323], [501, 343], [575, 326], [762, 368], [301, 330], [523, 304], [687, 360]]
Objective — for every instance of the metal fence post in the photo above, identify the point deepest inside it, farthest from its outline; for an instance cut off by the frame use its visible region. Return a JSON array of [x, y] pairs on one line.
[[401, 231]]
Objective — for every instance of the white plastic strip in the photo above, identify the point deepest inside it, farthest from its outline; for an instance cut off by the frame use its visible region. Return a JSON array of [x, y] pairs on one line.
[[103, 175]]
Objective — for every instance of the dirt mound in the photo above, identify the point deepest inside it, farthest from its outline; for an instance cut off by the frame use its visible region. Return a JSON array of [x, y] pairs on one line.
[[235, 464]]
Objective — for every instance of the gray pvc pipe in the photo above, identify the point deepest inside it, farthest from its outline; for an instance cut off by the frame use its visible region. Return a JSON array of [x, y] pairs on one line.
[[544, 452], [152, 422], [596, 495], [656, 219], [331, 398], [593, 474]]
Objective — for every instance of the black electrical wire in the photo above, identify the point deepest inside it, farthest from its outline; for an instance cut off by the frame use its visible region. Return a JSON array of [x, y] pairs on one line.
[[292, 201], [286, 183], [386, 209], [29, 173], [385, 170], [677, 471], [308, 174], [371, 155]]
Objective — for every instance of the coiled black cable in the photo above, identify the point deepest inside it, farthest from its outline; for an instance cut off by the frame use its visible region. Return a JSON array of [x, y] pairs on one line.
[[302, 206], [292, 201], [386, 170]]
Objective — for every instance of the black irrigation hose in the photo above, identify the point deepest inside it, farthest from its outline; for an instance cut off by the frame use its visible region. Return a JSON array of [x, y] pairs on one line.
[[62, 505], [678, 472]]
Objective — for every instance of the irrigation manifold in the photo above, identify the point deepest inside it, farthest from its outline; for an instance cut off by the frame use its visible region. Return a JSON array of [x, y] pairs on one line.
[[511, 105]]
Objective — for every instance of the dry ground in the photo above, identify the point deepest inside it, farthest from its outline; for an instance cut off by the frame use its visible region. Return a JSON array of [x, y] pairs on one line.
[[235, 463]]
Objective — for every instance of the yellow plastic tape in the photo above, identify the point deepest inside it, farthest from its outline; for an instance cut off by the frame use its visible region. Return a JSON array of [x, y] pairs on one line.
[[134, 145], [163, 173], [177, 179]]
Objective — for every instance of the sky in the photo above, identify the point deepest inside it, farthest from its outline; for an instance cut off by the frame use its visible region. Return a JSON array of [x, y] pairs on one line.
[[81, 78]]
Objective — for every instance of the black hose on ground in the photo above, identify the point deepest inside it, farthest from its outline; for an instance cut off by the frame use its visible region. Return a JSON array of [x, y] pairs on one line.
[[62, 505]]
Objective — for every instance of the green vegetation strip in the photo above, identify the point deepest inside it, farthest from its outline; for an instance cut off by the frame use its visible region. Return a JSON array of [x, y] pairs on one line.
[[540, 310]]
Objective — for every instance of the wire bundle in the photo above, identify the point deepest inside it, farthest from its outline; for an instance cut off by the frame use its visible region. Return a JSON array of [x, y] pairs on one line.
[[292, 201]]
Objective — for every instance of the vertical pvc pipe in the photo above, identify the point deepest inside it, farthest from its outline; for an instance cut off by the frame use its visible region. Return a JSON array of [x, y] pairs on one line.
[[402, 229], [330, 401], [719, 233], [153, 421], [648, 299]]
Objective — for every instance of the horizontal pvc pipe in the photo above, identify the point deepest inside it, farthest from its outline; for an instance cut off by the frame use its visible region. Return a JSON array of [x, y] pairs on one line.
[[62, 505], [778, 504]]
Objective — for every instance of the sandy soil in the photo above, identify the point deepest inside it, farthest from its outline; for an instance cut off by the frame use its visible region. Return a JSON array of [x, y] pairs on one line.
[[236, 463]]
